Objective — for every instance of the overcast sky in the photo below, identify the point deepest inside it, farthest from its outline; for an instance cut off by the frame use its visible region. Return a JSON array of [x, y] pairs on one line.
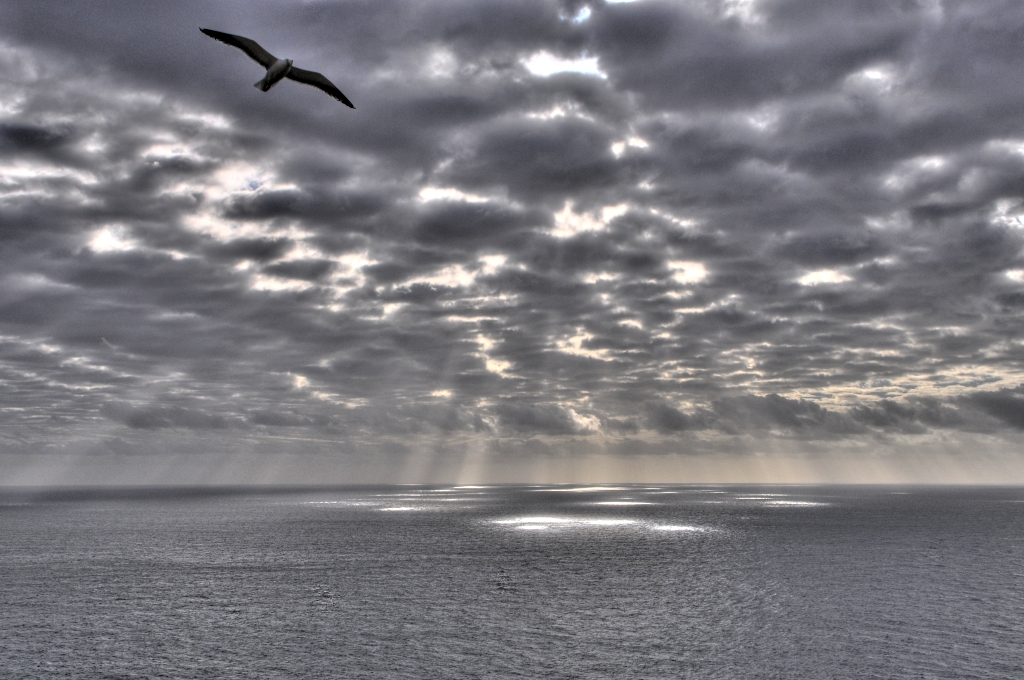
[[686, 240]]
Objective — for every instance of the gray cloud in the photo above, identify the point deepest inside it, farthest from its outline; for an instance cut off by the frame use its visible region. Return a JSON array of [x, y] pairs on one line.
[[154, 417], [1006, 405], [666, 418], [541, 418], [795, 222]]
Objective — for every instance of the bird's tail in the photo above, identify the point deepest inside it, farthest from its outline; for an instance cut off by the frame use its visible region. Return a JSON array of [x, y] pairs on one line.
[[259, 85]]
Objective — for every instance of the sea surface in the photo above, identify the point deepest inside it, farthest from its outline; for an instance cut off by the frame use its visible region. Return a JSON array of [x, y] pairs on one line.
[[513, 582]]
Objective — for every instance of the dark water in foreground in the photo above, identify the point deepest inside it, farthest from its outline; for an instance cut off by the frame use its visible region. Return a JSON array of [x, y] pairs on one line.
[[533, 582]]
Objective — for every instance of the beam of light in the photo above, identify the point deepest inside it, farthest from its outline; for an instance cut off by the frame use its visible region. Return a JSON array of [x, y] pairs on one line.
[[474, 465]]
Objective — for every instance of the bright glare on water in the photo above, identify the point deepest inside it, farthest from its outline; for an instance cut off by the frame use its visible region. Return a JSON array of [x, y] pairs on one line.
[[495, 582]]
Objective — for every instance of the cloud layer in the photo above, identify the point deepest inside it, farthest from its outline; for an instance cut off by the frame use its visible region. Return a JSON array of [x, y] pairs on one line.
[[728, 222]]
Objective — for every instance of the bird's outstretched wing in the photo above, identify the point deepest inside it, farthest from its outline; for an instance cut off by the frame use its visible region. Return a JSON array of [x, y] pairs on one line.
[[250, 47], [318, 81]]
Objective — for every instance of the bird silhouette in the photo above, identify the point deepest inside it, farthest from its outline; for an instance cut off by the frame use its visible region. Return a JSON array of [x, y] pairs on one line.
[[277, 69]]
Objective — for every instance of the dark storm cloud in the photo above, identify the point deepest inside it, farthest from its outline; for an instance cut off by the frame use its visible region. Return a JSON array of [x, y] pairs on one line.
[[311, 206], [666, 418], [916, 415], [256, 249], [153, 417], [36, 141], [733, 415], [536, 159], [781, 219], [672, 55], [773, 411], [461, 224], [278, 419], [1006, 405], [303, 270], [540, 418]]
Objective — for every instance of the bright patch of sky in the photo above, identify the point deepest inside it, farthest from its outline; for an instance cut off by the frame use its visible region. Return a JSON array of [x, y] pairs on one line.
[[259, 281], [1008, 212], [574, 345], [569, 223], [582, 15], [450, 276], [448, 194], [498, 366], [30, 282], [823, 276], [687, 272], [545, 64], [911, 171], [561, 110], [110, 239], [877, 80], [743, 10], [619, 148], [491, 264]]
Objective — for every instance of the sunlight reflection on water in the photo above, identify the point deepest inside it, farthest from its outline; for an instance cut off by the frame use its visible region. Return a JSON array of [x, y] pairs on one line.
[[543, 523]]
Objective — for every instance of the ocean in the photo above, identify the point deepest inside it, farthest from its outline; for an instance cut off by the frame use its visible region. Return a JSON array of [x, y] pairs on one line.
[[513, 582]]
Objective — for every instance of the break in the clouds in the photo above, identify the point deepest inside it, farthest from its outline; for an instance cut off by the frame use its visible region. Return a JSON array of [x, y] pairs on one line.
[[551, 229]]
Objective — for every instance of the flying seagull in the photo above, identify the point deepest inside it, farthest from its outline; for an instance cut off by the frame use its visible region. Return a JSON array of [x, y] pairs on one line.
[[277, 69]]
